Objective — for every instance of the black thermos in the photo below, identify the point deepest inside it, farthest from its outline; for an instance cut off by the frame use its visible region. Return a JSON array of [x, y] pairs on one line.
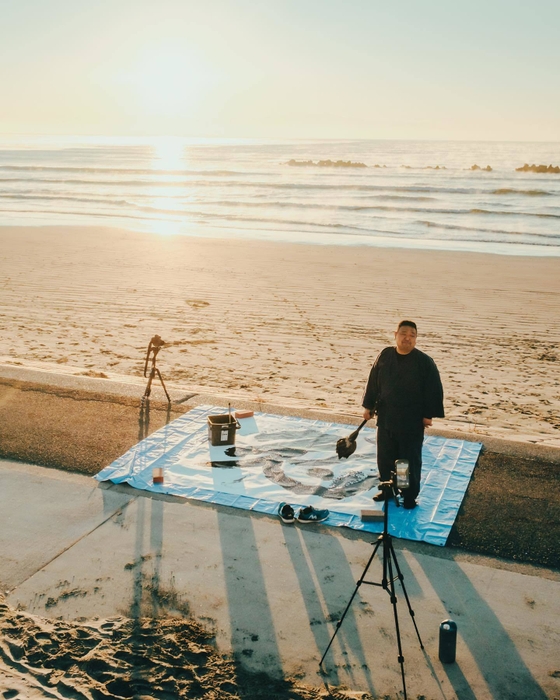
[[447, 641]]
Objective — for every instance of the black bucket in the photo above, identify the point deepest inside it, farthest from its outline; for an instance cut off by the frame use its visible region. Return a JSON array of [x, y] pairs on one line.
[[221, 429]]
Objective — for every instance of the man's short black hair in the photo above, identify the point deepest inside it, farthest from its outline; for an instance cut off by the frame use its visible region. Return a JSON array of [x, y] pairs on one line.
[[408, 323]]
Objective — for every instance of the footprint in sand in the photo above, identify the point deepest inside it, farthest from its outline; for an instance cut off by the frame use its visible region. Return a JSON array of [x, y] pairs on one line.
[[197, 303]]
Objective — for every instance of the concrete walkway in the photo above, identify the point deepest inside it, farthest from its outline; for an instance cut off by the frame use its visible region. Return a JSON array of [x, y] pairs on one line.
[[74, 548]]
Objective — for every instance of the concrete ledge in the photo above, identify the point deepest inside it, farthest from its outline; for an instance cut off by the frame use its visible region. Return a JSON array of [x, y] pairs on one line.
[[71, 378]]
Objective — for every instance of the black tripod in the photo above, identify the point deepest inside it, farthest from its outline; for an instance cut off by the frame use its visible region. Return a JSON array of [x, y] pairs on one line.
[[156, 343], [388, 581]]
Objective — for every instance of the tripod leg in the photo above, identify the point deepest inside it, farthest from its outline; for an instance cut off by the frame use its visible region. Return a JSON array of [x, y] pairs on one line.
[[401, 579], [396, 616], [163, 385], [149, 385], [358, 584]]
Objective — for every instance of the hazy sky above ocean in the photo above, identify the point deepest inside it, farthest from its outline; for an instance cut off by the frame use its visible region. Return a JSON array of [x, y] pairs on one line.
[[365, 69]]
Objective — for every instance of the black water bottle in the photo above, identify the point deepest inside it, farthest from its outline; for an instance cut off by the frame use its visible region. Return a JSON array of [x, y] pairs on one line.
[[447, 641]]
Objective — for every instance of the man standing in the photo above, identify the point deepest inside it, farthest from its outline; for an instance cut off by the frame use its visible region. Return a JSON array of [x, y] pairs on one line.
[[404, 390]]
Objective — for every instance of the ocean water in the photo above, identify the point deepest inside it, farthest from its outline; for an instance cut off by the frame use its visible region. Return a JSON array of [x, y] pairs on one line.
[[413, 194]]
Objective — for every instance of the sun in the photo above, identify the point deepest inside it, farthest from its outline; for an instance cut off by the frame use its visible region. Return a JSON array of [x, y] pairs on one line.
[[168, 80]]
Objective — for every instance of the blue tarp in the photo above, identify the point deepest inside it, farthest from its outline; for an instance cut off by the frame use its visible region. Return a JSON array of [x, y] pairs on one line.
[[283, 458]]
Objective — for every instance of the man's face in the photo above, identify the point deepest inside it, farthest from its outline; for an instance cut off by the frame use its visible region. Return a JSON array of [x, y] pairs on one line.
[[405, 338]]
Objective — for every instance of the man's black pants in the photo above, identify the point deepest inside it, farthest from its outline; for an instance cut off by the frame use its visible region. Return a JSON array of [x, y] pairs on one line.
[[392, 446]]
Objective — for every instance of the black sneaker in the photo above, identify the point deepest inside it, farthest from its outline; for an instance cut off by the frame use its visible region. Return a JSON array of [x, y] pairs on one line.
[[409, 504], [381, 496], [286, 513], [308, 514]]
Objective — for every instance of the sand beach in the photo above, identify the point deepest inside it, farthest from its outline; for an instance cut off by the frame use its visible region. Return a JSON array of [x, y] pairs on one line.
[[275, 324], [285, 323]]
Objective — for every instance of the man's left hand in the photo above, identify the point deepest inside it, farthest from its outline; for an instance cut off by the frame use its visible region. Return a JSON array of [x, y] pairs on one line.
[[427, 422]]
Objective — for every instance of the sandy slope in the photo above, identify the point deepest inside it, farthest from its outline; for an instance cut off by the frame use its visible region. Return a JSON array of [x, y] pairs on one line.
[[287, 322], [165, 657]]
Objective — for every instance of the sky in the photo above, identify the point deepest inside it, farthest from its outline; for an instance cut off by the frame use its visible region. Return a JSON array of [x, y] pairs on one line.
[[356, 69]]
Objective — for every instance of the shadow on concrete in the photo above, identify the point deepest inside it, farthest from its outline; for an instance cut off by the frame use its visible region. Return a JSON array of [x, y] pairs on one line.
[[315, 613], [149, 597], [499, 662], [135, 612], [108, 486], [253, 636], [458, 682], [413, 588], [112, 504], [333, 573], [375, 598], [156, 548]]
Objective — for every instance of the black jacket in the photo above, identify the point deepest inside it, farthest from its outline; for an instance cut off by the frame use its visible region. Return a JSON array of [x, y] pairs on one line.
[[404, 389]]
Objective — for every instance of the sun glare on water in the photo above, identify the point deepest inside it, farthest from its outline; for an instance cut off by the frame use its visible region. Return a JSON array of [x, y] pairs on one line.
[[168, 155]]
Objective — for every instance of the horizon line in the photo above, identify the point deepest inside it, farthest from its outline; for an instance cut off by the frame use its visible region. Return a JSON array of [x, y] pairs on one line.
[[147, 137]]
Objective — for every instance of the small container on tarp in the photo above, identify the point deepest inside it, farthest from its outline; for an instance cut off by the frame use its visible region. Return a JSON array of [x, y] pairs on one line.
[[221, 429], [244, 414], [157, 475], [372, 516]]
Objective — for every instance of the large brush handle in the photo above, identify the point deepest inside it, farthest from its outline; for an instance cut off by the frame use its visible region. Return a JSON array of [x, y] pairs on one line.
[[354, 435]]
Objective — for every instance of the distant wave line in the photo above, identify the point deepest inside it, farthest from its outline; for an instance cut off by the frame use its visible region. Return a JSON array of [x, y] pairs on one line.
[[342, 207], [95, 214], [225, 203], [529, 193], [514, 213], [337, 226], [392, 234], [458, 227], [64, 198], [304, 225], [202, 215], [372, 207], [122, 171], [282, 185], [374, 171]]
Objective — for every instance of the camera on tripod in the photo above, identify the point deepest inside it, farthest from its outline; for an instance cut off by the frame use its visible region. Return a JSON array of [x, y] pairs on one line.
[[402, 473], [399, 481], [156, 344]]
